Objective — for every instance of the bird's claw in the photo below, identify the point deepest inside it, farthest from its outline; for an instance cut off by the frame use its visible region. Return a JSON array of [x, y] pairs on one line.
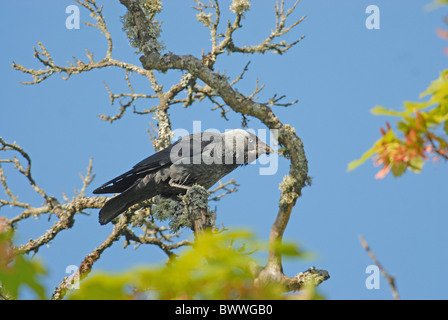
[[176, 185]]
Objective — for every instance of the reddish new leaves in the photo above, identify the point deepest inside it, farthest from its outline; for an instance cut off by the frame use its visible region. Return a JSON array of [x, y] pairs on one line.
[[420, 134]]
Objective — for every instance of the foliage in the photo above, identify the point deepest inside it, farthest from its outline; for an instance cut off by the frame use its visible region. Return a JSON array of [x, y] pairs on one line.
[[423, 128], [218, 266], [16, 271]]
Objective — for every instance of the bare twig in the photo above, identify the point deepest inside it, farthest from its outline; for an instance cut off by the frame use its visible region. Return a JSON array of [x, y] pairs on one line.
[[440, 151], [224, 186], [280, 30], [390, 279], [86, 180], [274, 101], [5, 146]]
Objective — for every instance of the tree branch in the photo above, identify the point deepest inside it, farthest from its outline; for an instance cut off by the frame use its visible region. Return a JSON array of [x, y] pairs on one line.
[[390, 279]]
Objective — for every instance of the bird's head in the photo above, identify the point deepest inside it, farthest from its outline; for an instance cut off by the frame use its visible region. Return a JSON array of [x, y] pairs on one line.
[[245, 146]]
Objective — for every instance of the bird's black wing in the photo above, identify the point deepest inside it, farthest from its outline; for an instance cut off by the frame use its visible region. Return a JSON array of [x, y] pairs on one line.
[[187, 147]]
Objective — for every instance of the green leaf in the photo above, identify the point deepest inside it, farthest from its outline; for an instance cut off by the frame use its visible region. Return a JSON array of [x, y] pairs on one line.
[[398, 169], [17, 271], [412, 106], [416, 164], [379, 110], [287, 249], [23, 273], [356, 163], [445, 127], [215, 267], [436, 84], [103, 286]]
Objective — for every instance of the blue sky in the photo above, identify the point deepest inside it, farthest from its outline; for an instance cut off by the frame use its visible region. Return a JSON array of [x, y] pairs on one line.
[[338, 73]]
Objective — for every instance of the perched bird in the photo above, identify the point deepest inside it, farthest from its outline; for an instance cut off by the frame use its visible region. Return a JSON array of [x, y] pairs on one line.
[[199, 158]]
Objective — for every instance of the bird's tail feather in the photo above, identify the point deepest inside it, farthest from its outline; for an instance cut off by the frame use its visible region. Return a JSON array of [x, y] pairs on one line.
[[115, 206]]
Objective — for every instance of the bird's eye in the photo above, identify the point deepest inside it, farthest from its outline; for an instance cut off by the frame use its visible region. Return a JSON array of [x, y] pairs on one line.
[[251, 140]]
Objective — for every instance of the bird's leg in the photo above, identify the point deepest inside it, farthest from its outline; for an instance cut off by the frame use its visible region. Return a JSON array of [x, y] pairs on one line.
[[176, 185]]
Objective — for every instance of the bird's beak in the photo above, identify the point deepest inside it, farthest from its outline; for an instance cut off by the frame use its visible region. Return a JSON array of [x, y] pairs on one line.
[[264, 148]]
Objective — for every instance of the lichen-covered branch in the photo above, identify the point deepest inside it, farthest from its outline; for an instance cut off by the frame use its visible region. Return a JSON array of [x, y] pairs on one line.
[[65, 221]]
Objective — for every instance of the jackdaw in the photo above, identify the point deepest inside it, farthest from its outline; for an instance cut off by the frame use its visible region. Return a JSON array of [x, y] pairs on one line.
[[199, 158]]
